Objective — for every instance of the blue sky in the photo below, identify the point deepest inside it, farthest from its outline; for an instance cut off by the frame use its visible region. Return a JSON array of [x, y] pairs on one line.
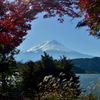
[[65, 33]]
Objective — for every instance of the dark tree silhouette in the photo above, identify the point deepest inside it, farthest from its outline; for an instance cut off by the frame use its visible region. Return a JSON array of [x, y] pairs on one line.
[[48, 64], [59, 77]]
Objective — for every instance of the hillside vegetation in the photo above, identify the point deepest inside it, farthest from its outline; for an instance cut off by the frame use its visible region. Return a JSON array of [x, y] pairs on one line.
[[87, 65]]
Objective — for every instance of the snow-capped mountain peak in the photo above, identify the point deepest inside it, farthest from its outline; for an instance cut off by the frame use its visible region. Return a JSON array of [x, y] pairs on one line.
[[49, 46], [53, 48]]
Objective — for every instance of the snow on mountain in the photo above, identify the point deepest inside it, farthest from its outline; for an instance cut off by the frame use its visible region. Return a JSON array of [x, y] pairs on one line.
[[53, 48], [49, 46]]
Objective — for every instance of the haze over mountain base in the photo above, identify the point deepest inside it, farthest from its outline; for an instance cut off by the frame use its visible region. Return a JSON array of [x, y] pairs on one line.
[[53, 48], [83, 63]]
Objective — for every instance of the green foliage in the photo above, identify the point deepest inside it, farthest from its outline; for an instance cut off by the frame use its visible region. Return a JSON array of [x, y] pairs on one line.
[[31, 76], [89, 97], [88, 65], [62, 77], [48, 64], [7, 70], [47, 79]]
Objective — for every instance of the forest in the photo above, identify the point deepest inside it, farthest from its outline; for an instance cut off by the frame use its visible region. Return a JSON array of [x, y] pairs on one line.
[[47, 79]]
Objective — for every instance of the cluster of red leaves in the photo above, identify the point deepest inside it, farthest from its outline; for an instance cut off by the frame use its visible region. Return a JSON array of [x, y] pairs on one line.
[[15, 17], [90, 10], [13, 25]]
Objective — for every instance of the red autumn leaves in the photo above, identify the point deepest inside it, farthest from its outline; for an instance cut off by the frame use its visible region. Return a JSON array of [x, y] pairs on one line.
[[13, 24], [90, 10], [15, 17]]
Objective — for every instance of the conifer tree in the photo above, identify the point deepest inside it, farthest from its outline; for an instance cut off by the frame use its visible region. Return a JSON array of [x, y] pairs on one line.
[[61, 80], [66, 65], [48, 64]]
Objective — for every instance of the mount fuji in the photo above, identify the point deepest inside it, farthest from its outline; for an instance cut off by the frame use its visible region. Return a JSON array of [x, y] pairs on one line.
[[53, 48]]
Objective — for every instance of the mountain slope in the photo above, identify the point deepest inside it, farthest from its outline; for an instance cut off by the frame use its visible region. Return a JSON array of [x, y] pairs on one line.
[[88, 65], [49, 46], [53, 48]]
